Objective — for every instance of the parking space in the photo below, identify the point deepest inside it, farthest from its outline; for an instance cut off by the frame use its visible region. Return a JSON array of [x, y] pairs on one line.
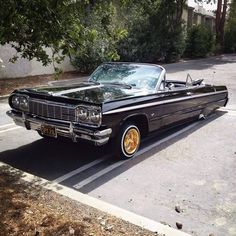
[[190, 168]]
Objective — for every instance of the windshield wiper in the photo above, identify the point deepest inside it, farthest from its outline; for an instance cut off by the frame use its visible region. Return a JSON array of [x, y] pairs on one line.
[[128, 86]]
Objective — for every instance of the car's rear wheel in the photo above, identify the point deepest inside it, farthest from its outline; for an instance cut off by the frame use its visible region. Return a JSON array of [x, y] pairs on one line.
[[128, 142]]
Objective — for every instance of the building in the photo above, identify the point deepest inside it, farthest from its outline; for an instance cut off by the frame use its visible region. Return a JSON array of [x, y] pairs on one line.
[[198, 15]]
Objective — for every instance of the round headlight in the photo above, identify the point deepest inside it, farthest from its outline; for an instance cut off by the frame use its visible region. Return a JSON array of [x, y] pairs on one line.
[[15, 101], [95, 116], [24, 103], [82, 113]]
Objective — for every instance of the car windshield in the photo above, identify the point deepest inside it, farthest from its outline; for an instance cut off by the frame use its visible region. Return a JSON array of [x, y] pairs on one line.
[[129, 75]]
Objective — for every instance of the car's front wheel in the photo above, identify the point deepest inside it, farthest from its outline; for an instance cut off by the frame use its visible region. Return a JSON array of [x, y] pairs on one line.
[[129, 141]]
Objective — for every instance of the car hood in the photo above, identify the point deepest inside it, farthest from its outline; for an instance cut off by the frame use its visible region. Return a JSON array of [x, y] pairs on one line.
[[90, 92]]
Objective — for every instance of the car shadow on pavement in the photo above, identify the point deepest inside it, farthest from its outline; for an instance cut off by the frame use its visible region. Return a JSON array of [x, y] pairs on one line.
[[144, 156], [51, 159]]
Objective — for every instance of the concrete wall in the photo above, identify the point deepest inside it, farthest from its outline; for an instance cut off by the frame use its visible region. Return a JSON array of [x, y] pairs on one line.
[[24, 67]]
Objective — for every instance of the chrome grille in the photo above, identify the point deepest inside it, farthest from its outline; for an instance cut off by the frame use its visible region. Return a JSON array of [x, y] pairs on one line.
[[52, 110]]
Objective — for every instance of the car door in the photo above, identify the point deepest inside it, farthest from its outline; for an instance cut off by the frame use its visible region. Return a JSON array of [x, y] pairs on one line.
[[176, 105]]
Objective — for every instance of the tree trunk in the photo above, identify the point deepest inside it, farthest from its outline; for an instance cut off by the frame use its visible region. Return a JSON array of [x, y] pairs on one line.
[[218, 16], [220, 22]]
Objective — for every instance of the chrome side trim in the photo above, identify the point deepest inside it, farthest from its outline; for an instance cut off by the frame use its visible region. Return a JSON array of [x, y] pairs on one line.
[[75, 90], [162, 102]]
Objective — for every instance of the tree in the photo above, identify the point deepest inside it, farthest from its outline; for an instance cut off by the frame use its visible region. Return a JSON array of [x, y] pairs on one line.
[[62, 25], [171, 29], [221, 11], [200, 41], [230, 29], [102, 39], [220, 21], [32, 26], [155, 30]]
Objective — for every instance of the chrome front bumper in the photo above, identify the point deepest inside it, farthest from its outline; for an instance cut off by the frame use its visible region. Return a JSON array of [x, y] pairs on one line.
[[63, 128]]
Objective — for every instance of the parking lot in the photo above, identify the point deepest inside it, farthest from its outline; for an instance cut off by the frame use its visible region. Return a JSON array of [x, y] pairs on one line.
[[191, 168]]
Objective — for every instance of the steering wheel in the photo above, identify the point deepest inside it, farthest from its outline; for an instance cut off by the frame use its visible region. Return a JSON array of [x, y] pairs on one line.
[[170, 85]]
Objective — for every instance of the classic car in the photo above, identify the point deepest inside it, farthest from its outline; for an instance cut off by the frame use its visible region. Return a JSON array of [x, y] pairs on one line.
[[120, 103]]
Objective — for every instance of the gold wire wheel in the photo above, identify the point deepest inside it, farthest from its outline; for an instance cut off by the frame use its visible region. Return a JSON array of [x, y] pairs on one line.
[[131, 141]]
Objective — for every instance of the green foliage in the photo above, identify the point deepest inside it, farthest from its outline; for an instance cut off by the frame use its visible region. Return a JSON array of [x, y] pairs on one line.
[[171, 29], [81, 29], [200, 41], [230, 29], [31, 26], [91, 32], [155, 32], [136, 46], [102, 36]]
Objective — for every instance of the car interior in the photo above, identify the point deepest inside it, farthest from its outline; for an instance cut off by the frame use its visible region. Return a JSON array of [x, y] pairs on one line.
[[167, 85]]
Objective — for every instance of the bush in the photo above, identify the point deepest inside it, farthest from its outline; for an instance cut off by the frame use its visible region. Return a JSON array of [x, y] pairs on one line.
[[200, 41], [230, 41], [138, 45], [153, 32], [102, 35], [230, 29]]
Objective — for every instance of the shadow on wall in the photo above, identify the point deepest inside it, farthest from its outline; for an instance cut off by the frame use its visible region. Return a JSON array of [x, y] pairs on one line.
[[24, 67]]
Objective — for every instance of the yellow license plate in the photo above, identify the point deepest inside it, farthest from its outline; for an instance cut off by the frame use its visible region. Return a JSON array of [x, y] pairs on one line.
[[48, 130]]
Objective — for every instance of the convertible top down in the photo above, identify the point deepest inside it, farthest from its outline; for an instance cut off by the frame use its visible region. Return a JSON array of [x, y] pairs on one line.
[[120, 103]]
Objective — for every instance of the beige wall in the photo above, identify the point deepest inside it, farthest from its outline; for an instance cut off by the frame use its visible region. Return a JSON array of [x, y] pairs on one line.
[[24, 67]]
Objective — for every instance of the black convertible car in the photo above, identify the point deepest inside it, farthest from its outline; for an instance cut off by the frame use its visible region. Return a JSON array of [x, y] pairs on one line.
[[120, 102]]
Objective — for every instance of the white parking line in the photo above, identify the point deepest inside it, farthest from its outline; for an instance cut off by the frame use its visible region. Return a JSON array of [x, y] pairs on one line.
[[167, 138], [10, 129], [231, 112], [79, 170], [98, 174], [6, 125], [117, 164], [123, 214]]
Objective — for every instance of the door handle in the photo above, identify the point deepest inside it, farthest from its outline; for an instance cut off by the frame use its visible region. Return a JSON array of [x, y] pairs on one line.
[[189, 93]]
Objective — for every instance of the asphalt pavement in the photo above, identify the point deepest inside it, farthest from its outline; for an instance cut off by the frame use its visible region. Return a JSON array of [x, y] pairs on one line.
[[185, 175]]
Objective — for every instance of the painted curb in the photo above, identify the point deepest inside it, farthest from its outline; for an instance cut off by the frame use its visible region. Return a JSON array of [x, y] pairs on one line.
[[125, 215]]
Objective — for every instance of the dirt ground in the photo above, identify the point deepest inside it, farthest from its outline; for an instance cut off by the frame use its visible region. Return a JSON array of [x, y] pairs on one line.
[[33, 211], [8, 85]]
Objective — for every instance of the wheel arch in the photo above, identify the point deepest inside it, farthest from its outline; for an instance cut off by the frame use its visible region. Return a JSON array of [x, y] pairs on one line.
[[140, 120]]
